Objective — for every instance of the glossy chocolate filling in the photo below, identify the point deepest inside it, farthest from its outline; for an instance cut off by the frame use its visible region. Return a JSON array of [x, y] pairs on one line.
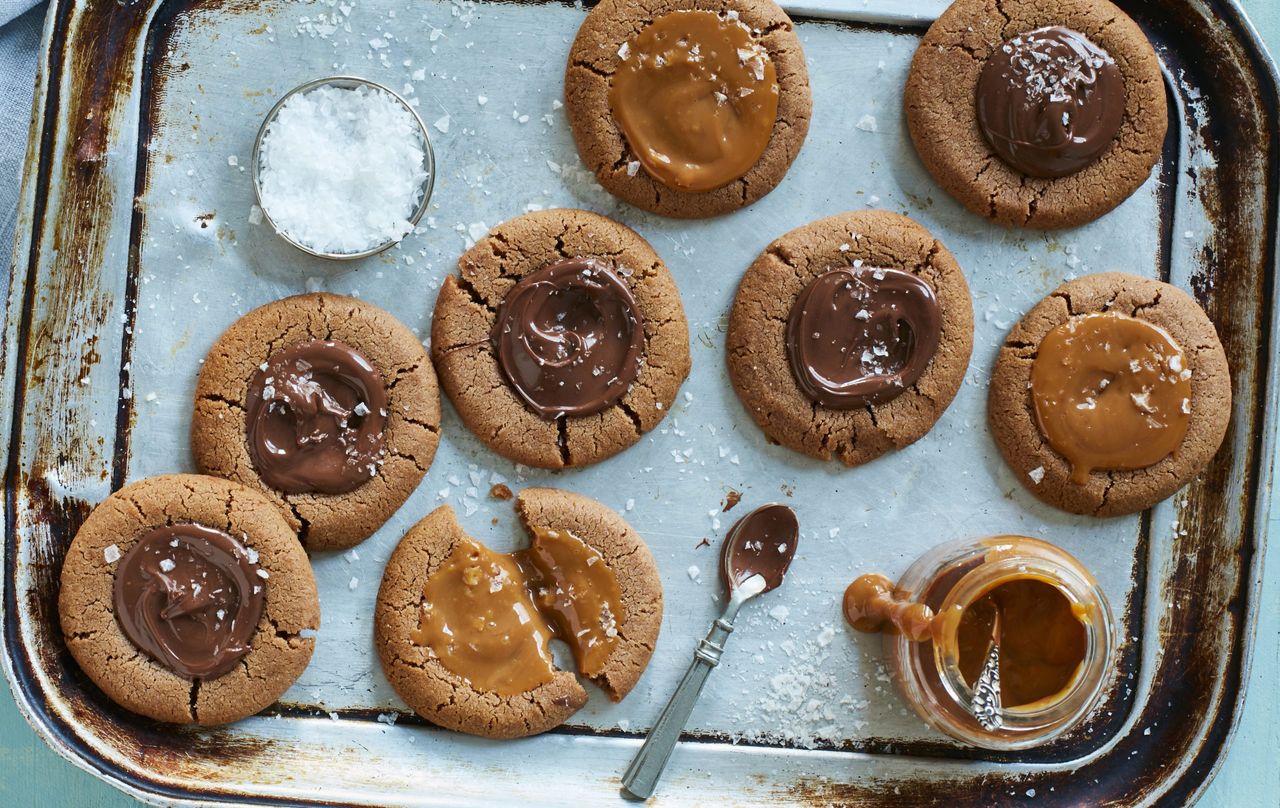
[[316, 417], [1050, 102], [190, 597], [859, 335], [570, 338]]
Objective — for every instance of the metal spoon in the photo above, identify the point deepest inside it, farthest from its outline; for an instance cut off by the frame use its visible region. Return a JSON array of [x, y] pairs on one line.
[[986, 704], [754, 557]]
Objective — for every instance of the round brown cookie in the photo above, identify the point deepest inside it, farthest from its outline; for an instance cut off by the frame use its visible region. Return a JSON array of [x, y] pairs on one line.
[[466, 360], [1011, 410], [594, 58], [443, 697], [756, 343], [219, 424], [279, 647], [942, 112]]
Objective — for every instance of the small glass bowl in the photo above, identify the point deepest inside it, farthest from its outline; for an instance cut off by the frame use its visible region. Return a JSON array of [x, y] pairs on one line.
[[345, 83]]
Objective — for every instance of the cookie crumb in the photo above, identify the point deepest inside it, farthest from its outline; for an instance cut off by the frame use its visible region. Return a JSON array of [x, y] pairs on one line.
[[500, 491]]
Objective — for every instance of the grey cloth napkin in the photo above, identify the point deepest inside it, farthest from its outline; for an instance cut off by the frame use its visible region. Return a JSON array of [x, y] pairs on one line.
[[20, 26]]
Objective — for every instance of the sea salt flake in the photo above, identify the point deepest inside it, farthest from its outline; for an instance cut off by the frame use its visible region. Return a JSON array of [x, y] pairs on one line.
[[111, 553], [442, 123], [867, 123], [694, 572], [167, 565], [1036, 474]]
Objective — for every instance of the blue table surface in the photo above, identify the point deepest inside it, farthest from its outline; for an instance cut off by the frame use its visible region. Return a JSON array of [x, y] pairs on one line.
[[31, 774]]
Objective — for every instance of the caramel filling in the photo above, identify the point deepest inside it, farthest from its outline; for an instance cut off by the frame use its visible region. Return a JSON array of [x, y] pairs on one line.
[[696, 97], [1042, 640], [488, 617], [1111, 392], [871, 605]]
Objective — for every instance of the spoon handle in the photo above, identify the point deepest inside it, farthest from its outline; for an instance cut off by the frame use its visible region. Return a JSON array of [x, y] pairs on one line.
[[641, 777]]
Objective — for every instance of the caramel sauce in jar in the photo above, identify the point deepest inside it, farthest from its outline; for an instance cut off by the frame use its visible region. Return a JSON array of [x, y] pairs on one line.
[[1042, 641], [489, 617], [1057, 637]]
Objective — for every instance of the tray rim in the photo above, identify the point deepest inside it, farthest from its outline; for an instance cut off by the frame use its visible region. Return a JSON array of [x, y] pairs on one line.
[[1268, 464]]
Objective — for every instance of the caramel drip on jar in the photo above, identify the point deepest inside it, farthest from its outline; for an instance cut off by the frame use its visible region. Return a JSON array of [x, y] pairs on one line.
[[871, 605], [488, 617], [696, 97], [1111, 392], [1042, 640]]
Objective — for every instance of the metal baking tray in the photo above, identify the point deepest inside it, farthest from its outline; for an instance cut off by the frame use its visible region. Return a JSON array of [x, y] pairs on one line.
[[135, 248]]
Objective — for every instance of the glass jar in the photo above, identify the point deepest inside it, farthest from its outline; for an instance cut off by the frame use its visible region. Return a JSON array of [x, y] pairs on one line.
[[951, 577]]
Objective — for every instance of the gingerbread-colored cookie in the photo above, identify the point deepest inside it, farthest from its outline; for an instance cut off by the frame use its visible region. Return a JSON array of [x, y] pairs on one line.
[[757, 350], [465, 350], [410, 424], [599, 49], [279, 646], [942, 114], [451, 700], [1011, 409]]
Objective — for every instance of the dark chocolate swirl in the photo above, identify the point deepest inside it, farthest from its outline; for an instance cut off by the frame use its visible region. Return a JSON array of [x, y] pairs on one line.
[[317, 412], [570, 338], [1050, 101], [190, 597], [859, 335]]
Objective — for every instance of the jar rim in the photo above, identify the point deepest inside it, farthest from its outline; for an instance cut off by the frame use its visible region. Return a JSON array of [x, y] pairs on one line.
[[985, 578]]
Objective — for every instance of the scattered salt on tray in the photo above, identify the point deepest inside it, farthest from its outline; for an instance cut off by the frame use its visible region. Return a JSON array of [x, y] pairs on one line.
[[342, 170]]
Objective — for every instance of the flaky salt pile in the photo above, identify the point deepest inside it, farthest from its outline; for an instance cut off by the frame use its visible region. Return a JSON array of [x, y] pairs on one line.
[[342, 170]]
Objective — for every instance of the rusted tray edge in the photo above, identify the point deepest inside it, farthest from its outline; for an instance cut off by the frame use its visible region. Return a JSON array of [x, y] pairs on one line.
[[1217, 735]]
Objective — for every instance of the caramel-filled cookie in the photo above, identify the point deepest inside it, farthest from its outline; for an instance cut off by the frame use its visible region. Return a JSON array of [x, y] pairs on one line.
[[562, 338], [850, 336], [1033, 114], [1110, 394], [687, 108], [188, 599], [327, 404], [462, 630]]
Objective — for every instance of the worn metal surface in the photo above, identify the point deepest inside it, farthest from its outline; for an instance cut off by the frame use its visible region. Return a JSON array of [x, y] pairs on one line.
[[134, 251]]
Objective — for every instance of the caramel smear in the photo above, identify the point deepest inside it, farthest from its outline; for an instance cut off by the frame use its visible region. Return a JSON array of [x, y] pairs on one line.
[[479, 618], [696, 97], [488, 617], [1042, 640], [871, 605], [577, 591], [1111, 392]]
